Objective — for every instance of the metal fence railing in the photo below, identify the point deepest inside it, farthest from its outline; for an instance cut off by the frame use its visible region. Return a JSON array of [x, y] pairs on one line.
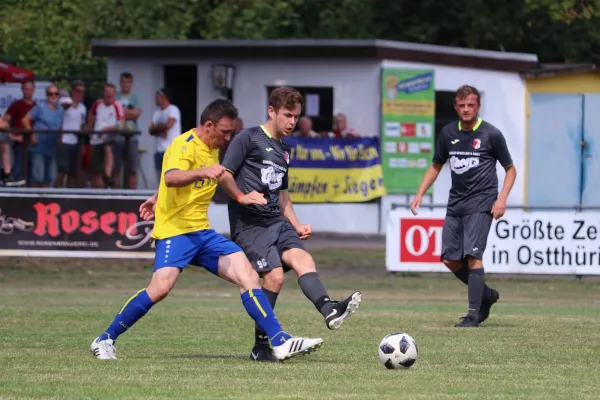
[[82, 135]]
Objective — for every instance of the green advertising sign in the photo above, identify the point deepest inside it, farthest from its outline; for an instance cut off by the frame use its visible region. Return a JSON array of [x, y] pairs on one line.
[[407, 123]]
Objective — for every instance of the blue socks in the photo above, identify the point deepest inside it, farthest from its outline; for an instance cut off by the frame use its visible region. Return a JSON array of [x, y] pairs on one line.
[[258, 307], [254, 301], [134, 309]]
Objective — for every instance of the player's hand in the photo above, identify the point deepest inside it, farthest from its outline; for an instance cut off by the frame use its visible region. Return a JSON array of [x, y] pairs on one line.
[[148, 208], [304, 231], [499, 208], [415, 203], [212, 172], [253, 198]]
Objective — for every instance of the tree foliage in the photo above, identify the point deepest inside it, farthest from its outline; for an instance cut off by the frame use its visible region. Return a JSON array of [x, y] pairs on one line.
[[52, 38]]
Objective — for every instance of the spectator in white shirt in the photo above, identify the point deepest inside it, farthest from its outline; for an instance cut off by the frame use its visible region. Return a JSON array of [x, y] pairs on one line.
[[165, 126], [107, 115], [73, 120]]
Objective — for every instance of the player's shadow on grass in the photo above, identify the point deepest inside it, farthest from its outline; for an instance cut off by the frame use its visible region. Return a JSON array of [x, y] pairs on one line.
[[306, 358], [496, 325]]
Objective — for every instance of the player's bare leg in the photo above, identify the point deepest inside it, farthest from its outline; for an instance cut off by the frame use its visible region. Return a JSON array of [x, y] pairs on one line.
[[236, 268], [161, 284], [335, 312]]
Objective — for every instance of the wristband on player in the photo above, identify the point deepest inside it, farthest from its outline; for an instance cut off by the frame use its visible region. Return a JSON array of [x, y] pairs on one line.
[[238, 197]]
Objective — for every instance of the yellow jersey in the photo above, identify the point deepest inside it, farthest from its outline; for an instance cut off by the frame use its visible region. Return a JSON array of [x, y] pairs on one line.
[[181, 210]]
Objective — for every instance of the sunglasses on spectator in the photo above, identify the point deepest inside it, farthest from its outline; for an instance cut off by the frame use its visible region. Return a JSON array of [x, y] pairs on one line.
[[52, 93], [80, 90]]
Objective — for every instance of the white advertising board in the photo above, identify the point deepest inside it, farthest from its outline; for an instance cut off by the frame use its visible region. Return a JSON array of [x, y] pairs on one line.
[[550, 242]]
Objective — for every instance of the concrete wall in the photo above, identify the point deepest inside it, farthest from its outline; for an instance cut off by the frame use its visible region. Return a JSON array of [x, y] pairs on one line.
[[357, 94]]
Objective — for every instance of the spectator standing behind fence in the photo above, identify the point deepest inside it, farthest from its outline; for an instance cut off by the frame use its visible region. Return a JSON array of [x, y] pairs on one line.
[[165, 126], [340, 128], [133, 111], [46, 115], [14, 116], [106, 115], [73, 120], [305, 129], [6, 178]]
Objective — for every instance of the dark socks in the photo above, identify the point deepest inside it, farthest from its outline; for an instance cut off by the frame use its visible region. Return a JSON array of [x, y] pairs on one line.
[[463, 275], [261, 337], [313, 289], [476, 285]]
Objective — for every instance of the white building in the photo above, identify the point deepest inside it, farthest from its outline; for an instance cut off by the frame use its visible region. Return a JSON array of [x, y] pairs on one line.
[[347, 74]]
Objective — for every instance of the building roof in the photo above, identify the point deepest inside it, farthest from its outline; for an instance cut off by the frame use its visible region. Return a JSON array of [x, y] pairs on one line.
[[316, 48], [546, 70]]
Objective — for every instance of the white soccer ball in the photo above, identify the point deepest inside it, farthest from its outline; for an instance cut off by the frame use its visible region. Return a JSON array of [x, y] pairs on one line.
[[398, 350]]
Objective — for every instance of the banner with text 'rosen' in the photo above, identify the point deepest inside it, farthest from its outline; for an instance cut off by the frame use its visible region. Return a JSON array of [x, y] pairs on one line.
[[74, 227], [549, 242]]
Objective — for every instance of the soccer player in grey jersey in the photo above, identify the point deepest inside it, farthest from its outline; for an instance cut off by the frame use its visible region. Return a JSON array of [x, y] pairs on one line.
[[271, 235], [472, 147]]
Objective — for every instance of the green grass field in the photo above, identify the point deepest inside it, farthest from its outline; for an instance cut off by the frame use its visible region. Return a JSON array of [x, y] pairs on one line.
[[541, 342]]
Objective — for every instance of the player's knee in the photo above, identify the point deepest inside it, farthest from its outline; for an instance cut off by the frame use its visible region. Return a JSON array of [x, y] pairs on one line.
[[162, 283], [299, 260], [474, 263], [453, 265], [273, 280]]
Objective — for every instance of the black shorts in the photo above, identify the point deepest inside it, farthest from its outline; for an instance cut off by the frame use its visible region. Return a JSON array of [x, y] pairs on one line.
[[264, 245], [464, 236]]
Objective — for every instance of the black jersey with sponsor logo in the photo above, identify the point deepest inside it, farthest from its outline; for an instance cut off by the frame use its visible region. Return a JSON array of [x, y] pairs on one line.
[[258, 162], [472, 157]]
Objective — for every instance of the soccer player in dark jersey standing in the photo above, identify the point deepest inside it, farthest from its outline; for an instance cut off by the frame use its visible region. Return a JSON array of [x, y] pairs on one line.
[[271, 235], [472, 147]]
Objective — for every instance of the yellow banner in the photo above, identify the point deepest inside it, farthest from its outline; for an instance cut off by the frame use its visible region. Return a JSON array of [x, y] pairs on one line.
[[347, 185], [409, 107]]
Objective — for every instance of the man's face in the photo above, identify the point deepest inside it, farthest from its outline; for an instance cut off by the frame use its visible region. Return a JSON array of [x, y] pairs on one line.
[[304, 126], [220, 132], [467, 108], [126, 84], [52, 94], [28, 89], [109, 95], [340, 122], [285, 119], [77, 93]]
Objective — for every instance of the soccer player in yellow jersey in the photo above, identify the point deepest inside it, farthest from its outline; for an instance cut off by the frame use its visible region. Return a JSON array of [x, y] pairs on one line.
[[183, 235]]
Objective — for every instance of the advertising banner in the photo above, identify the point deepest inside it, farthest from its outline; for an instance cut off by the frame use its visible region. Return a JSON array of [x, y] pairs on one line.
[[74, 227], [552, 242], [334, 170], [407, 123]]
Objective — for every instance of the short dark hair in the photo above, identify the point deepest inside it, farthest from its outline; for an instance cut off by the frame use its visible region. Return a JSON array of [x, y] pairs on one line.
[[127, 75], [77, 82], [217, 110], [465, 90], [26, 81], [285, 97], [164, 92]]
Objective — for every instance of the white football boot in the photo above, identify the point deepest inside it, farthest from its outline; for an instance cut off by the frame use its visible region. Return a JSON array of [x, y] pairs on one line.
[[295, 346], [104, 349]]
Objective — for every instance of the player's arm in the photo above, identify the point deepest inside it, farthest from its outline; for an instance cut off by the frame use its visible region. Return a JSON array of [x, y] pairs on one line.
[[178, 169], [287, 209], [503, 156], [234, 158], [440, 157]]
